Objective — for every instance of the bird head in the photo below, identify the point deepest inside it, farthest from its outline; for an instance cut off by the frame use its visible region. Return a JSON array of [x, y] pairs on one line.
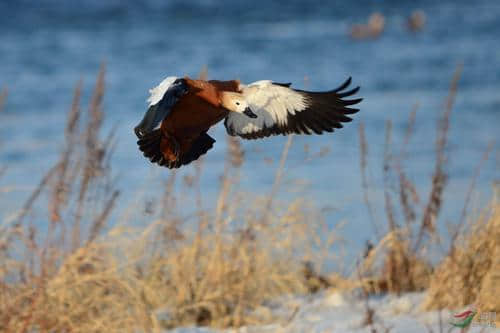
[[236, 102]]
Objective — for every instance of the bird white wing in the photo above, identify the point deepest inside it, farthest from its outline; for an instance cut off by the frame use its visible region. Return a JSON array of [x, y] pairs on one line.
[[157, 93], [282, 110]]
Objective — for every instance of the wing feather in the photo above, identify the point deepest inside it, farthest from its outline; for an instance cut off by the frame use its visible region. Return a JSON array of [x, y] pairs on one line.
[[283, 110], [162, 100]]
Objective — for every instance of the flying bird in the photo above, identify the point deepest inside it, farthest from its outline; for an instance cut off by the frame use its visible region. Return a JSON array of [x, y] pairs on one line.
[[174, 129]]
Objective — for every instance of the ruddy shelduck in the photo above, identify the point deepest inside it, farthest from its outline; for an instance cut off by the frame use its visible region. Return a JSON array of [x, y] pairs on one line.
[[174, 129], [372, 29]]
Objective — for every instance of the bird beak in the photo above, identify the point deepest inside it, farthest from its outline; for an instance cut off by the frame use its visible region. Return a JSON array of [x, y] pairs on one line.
[[153, 117], [248, 112]]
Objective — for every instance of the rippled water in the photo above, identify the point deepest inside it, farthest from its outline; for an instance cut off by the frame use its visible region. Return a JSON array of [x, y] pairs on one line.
[[46, 46]]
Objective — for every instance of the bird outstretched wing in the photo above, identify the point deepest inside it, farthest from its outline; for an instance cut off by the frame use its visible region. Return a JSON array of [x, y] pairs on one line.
[[283, 110]]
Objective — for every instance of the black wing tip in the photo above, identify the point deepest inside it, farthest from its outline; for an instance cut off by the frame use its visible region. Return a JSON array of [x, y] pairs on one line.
[[350, 110], [339, 91], [348, 102], [348, 93], [286, 85], [327, 111], [343, 85]]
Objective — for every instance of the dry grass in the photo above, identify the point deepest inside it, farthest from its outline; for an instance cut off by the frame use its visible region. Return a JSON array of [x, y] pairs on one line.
[[221, 279], [470, 274], [400, 261], [81, 276], [224, 273], [224, 265], [35, 262]]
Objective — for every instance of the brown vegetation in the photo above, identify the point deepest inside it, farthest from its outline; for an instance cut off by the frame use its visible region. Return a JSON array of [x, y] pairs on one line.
[[224, 265], [400, 262], [80, 275], [469, 275]]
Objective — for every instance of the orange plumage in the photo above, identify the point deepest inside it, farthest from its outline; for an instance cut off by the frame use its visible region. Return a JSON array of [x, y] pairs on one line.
[[198, 109]]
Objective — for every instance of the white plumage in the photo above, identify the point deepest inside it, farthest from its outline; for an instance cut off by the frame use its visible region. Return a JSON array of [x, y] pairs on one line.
[[158, 91], [270, 102]]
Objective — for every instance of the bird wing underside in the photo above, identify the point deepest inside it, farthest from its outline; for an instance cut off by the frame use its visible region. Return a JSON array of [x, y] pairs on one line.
[[282, 110], [162, 107], [171, 154]]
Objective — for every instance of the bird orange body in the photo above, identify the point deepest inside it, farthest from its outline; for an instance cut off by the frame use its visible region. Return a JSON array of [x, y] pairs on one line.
[[194, 114]]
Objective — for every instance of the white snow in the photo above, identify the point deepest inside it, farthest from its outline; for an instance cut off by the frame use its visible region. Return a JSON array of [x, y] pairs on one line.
[[344, 313]]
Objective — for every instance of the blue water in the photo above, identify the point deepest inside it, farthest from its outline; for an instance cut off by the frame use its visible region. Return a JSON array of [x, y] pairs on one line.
[[46, 46]]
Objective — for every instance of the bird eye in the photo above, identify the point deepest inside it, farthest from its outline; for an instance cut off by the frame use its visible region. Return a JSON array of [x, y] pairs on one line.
[[237, 103]]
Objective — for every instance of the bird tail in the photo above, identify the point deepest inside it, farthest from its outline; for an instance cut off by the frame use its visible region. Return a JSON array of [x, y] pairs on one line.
[[166, 151]]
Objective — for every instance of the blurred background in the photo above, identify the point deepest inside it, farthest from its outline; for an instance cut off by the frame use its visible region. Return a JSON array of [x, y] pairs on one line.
[[47, 46]]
